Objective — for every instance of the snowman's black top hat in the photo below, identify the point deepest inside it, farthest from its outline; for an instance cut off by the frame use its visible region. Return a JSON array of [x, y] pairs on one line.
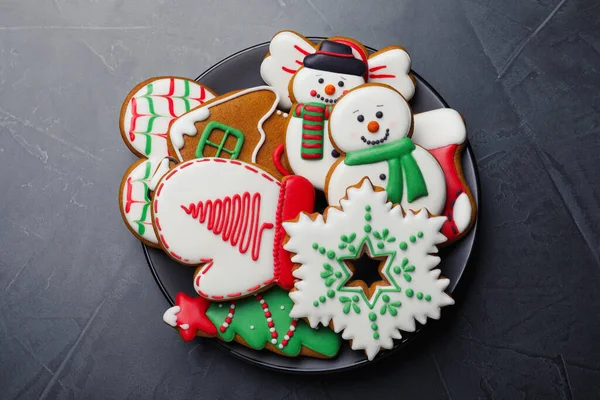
[[335, 57]]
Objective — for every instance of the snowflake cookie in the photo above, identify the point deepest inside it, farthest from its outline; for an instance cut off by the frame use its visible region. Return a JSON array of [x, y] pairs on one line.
[[410, 287]]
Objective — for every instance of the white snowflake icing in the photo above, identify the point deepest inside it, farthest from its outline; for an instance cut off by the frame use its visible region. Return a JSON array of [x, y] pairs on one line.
[[406, 242]]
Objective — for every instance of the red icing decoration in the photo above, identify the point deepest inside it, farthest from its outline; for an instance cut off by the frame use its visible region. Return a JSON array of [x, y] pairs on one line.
[[313, 93], [374, 76], [129, 198], [193, 313], [301, 50], [289, 71], [454, 187], [277, 153], [296, 195], [233, 218]]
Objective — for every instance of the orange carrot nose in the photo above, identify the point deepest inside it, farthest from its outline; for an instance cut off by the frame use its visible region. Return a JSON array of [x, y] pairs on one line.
[[373, 126], [330, 89]]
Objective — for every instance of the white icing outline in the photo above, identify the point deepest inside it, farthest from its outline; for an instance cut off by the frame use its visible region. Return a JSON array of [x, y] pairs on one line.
[[181, 126]]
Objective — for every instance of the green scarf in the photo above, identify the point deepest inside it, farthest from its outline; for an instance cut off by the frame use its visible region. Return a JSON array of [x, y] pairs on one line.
[[400, 162]]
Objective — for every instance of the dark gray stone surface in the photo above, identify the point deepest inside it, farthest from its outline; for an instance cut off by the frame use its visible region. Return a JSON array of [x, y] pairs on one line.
[[80, 314]]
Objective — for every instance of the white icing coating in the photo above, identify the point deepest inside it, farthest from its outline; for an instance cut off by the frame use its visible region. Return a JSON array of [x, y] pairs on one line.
[[462, 212], [163, 168], [307, 80], [184, 125], [170, 316], [151, 109], [439, 128], [284, 59], [350, 134], [135, 202], [395, 72], [186, 236], [414, 292]]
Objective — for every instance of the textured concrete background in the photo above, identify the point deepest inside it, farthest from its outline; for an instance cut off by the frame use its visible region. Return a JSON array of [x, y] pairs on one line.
[[80, 314]]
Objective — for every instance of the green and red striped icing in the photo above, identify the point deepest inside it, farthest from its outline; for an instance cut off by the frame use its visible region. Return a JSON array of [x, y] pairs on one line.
[[313, 116], [153, 108], [136, 202]]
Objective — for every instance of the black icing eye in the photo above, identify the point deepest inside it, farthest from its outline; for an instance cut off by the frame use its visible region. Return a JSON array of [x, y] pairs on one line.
[[379, 114], [334, 153], [360, 118], [321, 80], [382, 177], [341, 83]]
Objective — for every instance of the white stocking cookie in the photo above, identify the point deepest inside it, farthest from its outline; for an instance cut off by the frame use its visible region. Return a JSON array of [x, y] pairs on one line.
[[410, 288]]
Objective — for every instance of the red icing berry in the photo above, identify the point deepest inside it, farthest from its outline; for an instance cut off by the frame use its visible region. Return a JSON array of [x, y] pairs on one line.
[[264, 305], [228, 320], [271, 324], [274, 335], [313, 93], [284, 342], [222, 329], [268, 314]]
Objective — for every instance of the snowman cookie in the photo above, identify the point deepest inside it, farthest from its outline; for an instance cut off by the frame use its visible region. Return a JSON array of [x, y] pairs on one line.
[[261, 321], [417, 159], [371, 127], [327, 293], [146, 115], [318, 77], [225, 217]]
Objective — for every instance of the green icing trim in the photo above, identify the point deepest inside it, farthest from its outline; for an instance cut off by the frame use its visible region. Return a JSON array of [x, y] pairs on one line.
[[227, 131]]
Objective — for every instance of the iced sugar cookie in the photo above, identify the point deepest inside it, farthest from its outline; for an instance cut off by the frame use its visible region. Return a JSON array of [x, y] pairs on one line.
[[312, 78], [259, 321], [371, 127], [410, 288], [225, 216]]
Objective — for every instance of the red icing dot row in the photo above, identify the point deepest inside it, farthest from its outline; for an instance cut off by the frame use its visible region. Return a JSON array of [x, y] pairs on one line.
[[290, 333], [227, 321]]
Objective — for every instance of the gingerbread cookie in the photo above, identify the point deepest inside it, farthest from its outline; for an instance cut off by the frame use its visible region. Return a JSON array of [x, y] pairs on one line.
[[410, 288], [322, 74], [225, 216], [147, 112], [242, 125], [372, 127], [259, 321]]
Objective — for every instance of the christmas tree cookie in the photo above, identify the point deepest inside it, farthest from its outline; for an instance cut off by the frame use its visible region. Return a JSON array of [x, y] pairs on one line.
[[259, 321]]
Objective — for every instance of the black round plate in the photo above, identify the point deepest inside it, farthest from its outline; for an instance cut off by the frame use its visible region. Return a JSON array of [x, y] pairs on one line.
[[242, 70]]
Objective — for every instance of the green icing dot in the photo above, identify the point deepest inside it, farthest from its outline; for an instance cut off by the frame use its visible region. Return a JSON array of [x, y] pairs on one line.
[[409, 293], [403, 246], [428, 298], [330, 254], [374, 327], [367, 228], [376, 335], [315, 246], [397, 270], [322, 250], [386, 298], [380, 245], [372, 316], [419, 295], [338, 274], [412, 239], [355, 298], [420, 234], [351, 249], [315, 303], [330, 293], [368, 217], [368, 208], [322, 299]]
